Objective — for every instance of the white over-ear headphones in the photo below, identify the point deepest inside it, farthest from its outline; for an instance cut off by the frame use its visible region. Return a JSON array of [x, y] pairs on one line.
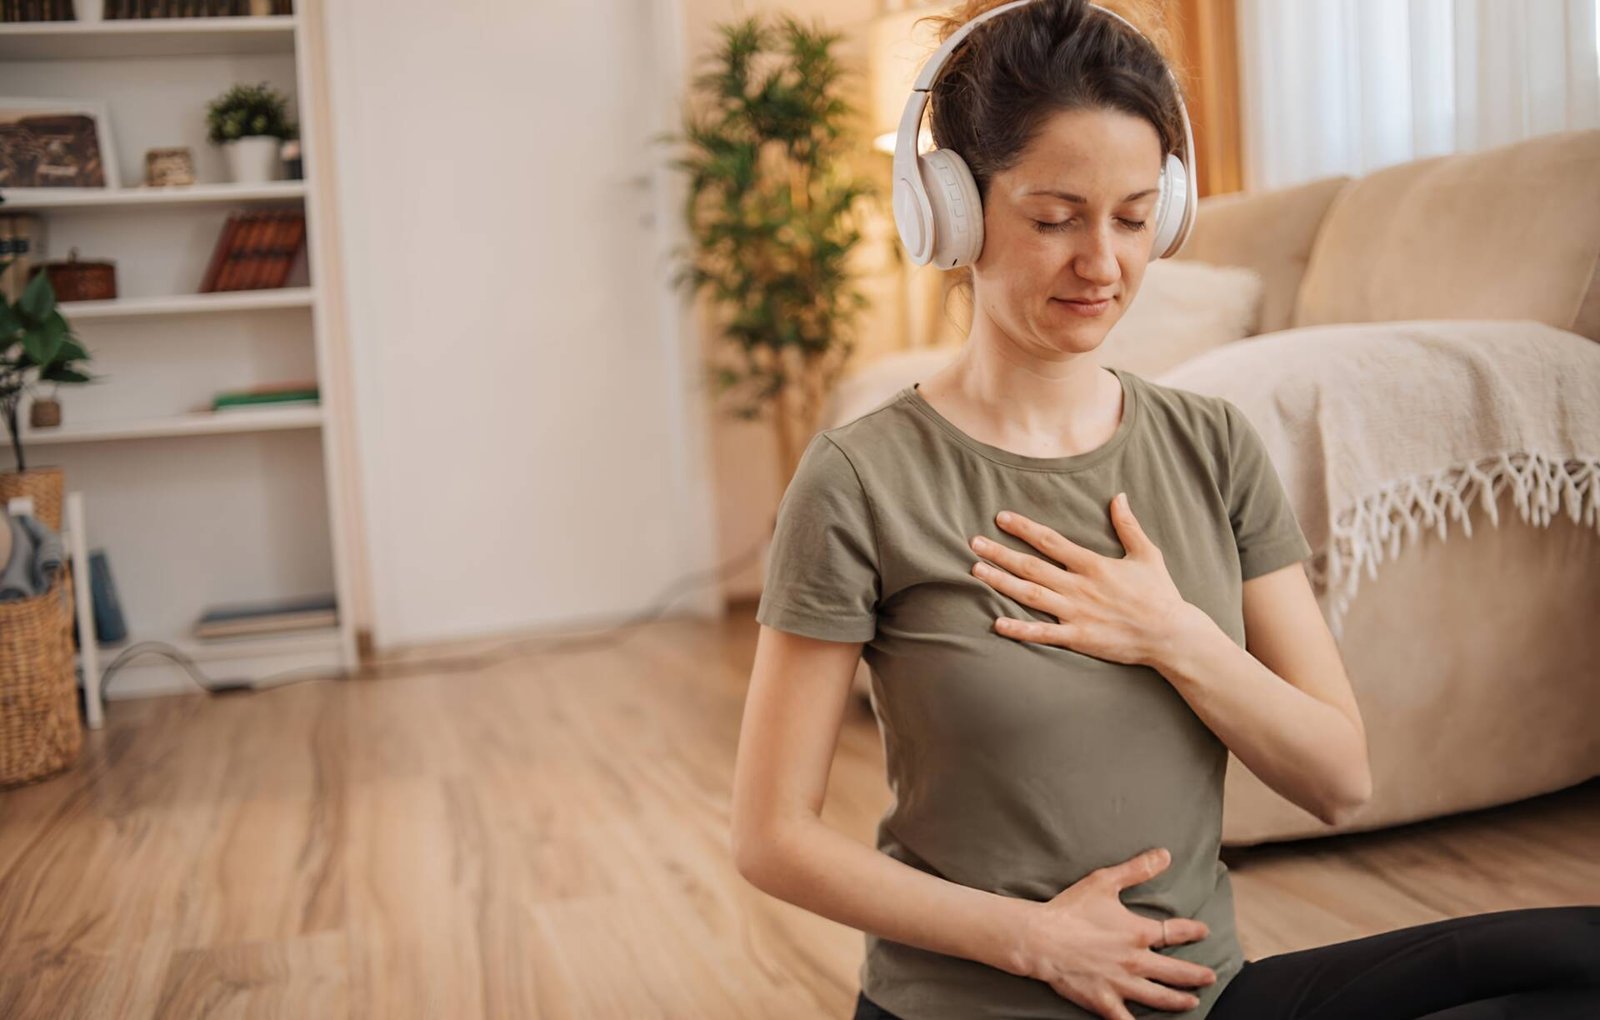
[[936, 205]]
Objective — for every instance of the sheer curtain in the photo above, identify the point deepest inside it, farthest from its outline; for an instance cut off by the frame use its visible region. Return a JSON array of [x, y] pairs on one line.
[[1348, 86]]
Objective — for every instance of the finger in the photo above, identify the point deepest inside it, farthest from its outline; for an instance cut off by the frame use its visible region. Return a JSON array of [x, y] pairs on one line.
[[1160, 996], [1059, 634], [1138, 869], [1107, 1005], [1022, 564], [1048, 541], [1185, 929], [1173, 971], [1029, 593]]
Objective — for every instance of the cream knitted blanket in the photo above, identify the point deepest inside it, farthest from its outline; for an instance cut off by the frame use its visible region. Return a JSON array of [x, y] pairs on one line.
[[1379, 430]]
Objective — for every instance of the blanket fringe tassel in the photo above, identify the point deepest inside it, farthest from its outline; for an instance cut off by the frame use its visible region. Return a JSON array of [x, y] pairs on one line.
[[1541, 487]]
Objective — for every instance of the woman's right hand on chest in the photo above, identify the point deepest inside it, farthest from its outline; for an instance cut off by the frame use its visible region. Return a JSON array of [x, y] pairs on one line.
[[1090, 948]]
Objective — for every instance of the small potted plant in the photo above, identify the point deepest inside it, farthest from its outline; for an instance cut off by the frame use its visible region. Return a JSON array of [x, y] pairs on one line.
[[250, 122], [36, 345]]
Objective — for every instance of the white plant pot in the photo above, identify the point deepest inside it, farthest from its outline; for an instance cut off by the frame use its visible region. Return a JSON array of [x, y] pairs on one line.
[[252, 159]]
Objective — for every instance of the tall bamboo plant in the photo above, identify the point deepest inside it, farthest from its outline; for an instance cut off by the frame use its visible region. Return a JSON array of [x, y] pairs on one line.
[[772, 210]]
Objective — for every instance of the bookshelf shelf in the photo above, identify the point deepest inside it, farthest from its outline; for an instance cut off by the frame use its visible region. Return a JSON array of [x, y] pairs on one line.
[[146, 37], [143, 197], [196, 423], [188, 304]]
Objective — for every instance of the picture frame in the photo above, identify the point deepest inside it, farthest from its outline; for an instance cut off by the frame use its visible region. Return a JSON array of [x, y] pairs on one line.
[[47, 145]]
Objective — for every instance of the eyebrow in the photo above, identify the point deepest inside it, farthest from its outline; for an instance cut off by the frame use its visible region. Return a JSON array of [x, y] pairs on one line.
[[1070, 197]]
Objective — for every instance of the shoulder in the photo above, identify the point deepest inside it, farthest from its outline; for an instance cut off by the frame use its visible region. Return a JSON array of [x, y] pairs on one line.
[[876, 434], [839, 462], [1186, 417]]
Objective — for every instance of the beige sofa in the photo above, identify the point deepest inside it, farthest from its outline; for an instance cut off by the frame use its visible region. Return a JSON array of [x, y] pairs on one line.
[[1474, 659]]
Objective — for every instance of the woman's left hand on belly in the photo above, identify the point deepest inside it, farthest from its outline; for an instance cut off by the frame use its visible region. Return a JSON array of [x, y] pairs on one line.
[[1117, 609]]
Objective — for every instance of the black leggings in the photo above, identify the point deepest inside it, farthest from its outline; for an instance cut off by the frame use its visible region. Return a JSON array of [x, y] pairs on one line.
[[1538, 963]]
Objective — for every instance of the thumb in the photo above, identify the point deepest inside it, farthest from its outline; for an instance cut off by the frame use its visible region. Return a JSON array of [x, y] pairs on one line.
[[1133, 537]]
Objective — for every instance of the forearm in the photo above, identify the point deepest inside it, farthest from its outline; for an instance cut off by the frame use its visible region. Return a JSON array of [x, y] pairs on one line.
[[1300, 746], [828, 873]]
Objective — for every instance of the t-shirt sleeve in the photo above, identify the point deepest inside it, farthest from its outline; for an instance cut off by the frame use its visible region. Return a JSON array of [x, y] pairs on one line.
[[1264, 526], [822, 576]]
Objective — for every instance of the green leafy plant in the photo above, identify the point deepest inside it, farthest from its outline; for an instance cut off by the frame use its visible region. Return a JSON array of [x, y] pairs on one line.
[[246, 110], [36, 345], [772, 211]]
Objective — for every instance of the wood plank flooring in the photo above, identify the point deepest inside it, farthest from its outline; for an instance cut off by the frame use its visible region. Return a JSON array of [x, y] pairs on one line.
[[547, 838]]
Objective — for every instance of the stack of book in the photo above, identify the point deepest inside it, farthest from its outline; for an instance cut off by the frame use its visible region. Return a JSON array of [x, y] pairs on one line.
[[277, 616], [255, 250], [21, 239], [286, 394]]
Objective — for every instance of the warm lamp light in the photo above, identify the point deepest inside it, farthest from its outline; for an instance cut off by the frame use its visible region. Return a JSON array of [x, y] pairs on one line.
[[899, 48]]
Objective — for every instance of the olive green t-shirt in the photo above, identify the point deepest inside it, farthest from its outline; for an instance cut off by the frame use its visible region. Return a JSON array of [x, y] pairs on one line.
[[1019, 767]]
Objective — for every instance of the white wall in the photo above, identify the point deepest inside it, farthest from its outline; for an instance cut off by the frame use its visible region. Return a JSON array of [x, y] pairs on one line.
[[531, 451]]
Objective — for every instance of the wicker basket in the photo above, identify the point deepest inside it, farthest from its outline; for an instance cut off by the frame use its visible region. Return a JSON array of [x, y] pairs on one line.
[[40, 732], [44, 484]]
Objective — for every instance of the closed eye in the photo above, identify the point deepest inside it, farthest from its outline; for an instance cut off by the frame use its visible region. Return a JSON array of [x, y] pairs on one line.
[[1046, 227]]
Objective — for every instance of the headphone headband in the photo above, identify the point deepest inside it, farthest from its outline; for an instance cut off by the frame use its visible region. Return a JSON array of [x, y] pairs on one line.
[[918, 222]]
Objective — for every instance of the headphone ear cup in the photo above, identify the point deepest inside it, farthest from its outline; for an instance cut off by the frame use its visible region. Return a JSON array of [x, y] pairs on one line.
[[957, 209], [1170, 207]]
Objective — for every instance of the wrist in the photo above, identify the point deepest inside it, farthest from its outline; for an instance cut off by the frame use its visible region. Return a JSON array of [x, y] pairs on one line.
[[1187, 630], [1014, 951]]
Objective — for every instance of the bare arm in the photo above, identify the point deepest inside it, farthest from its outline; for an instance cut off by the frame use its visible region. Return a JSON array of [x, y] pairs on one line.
[[1282, 703], [799, 688]]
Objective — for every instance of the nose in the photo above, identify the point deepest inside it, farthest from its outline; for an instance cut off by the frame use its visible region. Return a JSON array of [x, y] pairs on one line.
[[1096, 260]]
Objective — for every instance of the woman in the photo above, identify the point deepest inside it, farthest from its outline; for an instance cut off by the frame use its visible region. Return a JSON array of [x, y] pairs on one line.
[[1059, 676]]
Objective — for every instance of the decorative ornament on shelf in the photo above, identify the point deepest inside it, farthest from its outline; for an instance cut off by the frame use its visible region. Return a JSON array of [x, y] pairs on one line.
[[79, 280], [168, 167], [250, 122]]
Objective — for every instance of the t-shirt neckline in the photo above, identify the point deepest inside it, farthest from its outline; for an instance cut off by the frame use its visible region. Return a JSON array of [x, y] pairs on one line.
[[1071, 462]]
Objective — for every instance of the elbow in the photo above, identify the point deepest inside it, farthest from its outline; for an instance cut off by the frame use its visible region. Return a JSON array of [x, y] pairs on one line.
[[752, 855], [1351, 790], [762, 854], [744, 857], [1348, 804]]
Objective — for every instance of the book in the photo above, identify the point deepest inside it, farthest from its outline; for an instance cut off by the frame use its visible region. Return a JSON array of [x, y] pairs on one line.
[[267, 616], [21, 239], [265, 626], [225, 401], [255, 250]]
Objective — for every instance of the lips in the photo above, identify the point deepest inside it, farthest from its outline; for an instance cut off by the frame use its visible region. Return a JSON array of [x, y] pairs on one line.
[[1086, 301]]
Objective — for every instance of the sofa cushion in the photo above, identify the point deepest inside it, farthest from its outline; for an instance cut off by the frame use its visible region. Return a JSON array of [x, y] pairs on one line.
[[1511, 232], [1183, 309], [1269, 232]]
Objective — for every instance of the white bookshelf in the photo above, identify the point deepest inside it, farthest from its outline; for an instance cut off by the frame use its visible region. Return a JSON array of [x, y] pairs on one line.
[[183, 304], [193, 507], [148, 37], [195, 423], [137, 196]]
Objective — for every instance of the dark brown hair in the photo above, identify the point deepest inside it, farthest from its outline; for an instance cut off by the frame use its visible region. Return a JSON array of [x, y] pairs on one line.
[[1019, 68]]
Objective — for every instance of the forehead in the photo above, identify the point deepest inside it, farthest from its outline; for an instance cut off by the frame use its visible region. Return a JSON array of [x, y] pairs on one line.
[[1100, 154]]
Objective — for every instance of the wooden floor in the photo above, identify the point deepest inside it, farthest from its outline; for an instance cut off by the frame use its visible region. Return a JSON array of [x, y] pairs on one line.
[[547, 838]]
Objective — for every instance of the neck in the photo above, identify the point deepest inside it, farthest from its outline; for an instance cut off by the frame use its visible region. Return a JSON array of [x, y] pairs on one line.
[[1025, 399]]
